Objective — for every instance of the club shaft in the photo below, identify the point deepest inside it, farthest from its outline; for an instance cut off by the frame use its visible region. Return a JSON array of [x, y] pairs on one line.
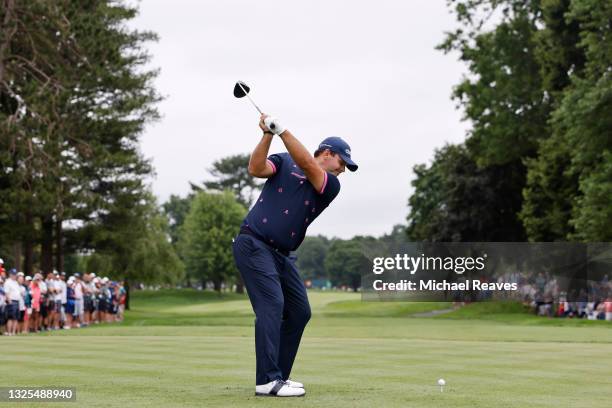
[[247, 95], [256, 107]]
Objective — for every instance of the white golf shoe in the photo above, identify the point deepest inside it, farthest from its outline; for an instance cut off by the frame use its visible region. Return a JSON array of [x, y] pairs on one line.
[[278, 388], [294, 384]]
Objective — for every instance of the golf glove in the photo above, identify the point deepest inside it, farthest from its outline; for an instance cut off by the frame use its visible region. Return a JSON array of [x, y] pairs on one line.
[[274, 126]]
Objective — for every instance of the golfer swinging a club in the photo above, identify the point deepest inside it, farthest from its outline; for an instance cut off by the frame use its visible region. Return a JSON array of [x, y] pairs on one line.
[[298, 188]]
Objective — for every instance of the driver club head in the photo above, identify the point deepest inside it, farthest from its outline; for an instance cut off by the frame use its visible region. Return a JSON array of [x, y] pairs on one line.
[[241, 89]]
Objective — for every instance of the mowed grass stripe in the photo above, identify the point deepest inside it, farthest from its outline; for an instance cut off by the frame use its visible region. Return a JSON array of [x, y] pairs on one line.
[[368, 327], [392, 367]]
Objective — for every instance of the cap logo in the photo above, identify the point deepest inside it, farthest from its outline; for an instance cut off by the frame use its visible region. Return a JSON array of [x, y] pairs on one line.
[[348, 152]]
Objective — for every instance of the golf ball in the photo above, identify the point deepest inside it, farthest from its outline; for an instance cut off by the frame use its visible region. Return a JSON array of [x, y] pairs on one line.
[[441, 382]]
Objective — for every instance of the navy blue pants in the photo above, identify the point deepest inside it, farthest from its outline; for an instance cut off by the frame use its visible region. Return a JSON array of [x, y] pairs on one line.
[[280, 303]]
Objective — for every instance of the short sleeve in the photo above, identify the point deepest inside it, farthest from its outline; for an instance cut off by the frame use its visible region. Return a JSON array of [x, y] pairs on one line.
[[276, 160], [331, 187]]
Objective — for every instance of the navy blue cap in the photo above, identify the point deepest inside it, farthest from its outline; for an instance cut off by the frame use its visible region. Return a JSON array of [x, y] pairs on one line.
[[337, 145], [13, 271]]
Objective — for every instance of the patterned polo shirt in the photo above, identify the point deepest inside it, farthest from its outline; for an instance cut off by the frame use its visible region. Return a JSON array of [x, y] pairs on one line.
[[288, 204]]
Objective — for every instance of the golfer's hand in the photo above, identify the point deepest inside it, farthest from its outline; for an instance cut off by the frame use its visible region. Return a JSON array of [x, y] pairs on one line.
[[262, 125], [273, 125]]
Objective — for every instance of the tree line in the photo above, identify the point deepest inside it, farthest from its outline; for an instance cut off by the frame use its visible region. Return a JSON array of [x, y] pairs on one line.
[[75, 95], [537, 161]]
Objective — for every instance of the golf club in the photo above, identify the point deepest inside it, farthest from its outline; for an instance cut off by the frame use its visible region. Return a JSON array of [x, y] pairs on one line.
[[241, 90]]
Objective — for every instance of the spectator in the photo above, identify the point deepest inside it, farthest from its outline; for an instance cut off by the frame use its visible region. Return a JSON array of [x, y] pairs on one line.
[[88, 297], [600, 311], [50, 303], [28, 304], [57, 302], [78, 299], [63, 297], [2, 271], [114, 300], [69, 303], [13, 295], [2, 307], [97, 284], [122, 298], [102, 300], [22, 307], [35, 293], [44, 295]]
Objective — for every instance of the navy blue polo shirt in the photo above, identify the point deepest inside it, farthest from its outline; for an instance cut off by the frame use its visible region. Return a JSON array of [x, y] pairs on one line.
[[288, 204]]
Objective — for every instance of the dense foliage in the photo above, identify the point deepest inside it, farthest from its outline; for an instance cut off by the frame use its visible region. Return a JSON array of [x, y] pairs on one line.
[[537, 159]]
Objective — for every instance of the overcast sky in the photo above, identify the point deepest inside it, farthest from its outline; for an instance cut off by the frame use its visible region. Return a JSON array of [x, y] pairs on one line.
[[365, 71]]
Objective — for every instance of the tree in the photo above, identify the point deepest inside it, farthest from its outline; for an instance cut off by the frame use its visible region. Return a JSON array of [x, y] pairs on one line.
[[132, 242], [538, 98], [206, 237], [481, 193], [74, 99], [502, 97], [311, 257], [36, 51], [395, 242], [547, 207], [455, 200], [567, 196], [345, 263], [231, 173], [176, 209], [426, 202], [98, 263], [153, 258]]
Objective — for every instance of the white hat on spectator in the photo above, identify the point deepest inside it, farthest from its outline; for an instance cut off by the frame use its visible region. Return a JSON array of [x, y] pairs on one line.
[[28, 278], [105, 280], [1, 261], [93, 275], [20, 274]]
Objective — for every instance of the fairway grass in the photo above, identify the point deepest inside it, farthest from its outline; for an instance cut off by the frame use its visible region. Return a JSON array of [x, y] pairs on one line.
[[192, 349]]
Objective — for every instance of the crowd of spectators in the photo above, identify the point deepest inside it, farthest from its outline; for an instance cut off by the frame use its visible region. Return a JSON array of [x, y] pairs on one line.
[[31, 304], [547, 297]]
